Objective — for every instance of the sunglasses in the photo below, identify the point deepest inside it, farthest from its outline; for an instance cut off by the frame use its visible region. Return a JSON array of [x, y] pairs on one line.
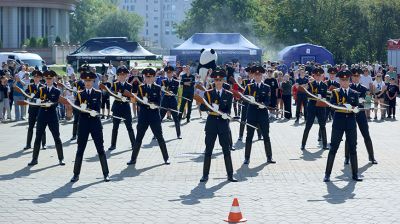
[[217, 80]]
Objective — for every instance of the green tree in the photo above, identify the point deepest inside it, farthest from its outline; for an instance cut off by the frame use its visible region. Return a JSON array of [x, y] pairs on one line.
[[86, 16], [120, 23]]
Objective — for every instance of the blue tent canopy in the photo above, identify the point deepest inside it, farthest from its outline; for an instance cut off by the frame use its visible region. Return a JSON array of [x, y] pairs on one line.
[[305, 52], [229, 47]]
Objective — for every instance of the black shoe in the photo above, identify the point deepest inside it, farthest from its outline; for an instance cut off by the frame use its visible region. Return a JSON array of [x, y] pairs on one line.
[[296, 121], [102, 117], [167, 162], [33, 162], [106, 178], [374, 161], [303, 147], [271, 161], [246, 161], [75, 178], [231, 179], [108, 116], [179, 137], [325, 147], [73, 138], [356, 178], [27, 147], [319, 139], [188, 120], [44, 147], [327, 178], [131, 162], [346, 161], [61, 163], [111, 148], [154, 137], [259, 139], [233, 148], [204, 179], [240, 138]]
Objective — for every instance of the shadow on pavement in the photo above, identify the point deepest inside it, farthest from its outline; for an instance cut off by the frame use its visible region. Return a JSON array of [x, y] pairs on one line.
[[15, 155], [244, 171], [24, 172], [200, 157], [312, 156], [131, 171], [200, 192], [95, 158]]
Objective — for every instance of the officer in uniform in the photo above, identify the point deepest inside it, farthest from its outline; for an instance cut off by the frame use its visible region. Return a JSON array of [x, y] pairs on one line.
[[258, 115], [33, 111], [188, 81], [120, 108], [78, 85], [90, 99], [149, 115], [170, 84], [344, 121], [48, 117], [332, 84], [216, 125], [361, 118], [314, 108], [243, 117], [301, 96]]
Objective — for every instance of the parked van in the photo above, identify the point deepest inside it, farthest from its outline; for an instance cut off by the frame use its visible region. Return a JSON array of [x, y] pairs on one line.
[[22, 57]]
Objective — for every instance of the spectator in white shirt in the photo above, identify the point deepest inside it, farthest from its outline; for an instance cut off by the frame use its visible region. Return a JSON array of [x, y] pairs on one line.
[[111, 73], [366, 79], [70, 70]]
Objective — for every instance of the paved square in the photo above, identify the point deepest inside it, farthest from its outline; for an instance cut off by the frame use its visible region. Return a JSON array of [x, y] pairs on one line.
[[290, 191]]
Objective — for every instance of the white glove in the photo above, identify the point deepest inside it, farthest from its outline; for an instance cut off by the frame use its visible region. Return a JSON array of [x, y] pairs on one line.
[[38, 101], [152, 106], [32, 95], [119, 95], [356, 110], [123, 99], [93, 113], [252, 99], [215, 107], [348, 106], [83, 106], [163, 88], [262, 106], [74, 88], [319, 96], [225, 116], [47, 104], [145, 100], [361, 100]]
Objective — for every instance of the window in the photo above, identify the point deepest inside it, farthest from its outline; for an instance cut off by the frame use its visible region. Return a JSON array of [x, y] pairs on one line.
[[132, 8], [147, 24], [156, 18], [166, 32], [166, 23], [147, 32], [155, 26], [156, 34], [147, 7]]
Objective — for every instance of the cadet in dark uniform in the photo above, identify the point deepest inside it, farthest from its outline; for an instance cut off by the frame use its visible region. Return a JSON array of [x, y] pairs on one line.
[[315, 109], [220, 100], [90, 99], [48, 117], [344, 121], [188, 81], [78, 85], [120, 108], [169, 101], [332, 84], [243, 118], [33, 111], [301, 96], [149, 116], [361, 118], [258, 115]]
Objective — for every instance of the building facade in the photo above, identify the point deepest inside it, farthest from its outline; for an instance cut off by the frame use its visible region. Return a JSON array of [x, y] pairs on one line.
[[23, 19], [159, 17]]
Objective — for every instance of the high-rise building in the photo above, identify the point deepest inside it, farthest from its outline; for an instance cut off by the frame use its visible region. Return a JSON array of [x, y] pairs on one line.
[[23, 19], [159, 17]]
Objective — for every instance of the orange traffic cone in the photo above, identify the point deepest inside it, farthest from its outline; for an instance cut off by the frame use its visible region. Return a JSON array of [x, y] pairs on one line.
[[235, 215]]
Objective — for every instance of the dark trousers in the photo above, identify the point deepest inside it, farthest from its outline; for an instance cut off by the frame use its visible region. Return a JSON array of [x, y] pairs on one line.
[[142, 127], [336, 138], [76, 122], [362, 123], [287, 103], [243, 119], [392, 108], [89, 125], [175, 117], [263, 125], [320, 113], [301, 101], [189, 105], [210, 139], [31, 124], [54, 129], [128, 125]]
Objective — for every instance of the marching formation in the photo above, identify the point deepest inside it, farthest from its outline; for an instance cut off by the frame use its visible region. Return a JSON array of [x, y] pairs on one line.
[[324, 93]]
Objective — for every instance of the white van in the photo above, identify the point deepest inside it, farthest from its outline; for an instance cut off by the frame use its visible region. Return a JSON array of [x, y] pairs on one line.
[[22, 57]]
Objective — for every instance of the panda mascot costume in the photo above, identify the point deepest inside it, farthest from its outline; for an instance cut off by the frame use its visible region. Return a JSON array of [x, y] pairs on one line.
[[208, 60]]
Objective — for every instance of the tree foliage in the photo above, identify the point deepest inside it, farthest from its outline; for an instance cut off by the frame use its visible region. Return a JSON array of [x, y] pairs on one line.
[[352, 30]]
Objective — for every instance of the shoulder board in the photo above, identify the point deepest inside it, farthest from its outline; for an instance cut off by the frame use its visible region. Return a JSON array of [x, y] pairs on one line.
[[228, 91]]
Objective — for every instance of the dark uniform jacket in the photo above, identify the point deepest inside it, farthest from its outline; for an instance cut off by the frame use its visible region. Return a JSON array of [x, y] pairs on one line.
[[262, 95], [153, 95], [215, 123]]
